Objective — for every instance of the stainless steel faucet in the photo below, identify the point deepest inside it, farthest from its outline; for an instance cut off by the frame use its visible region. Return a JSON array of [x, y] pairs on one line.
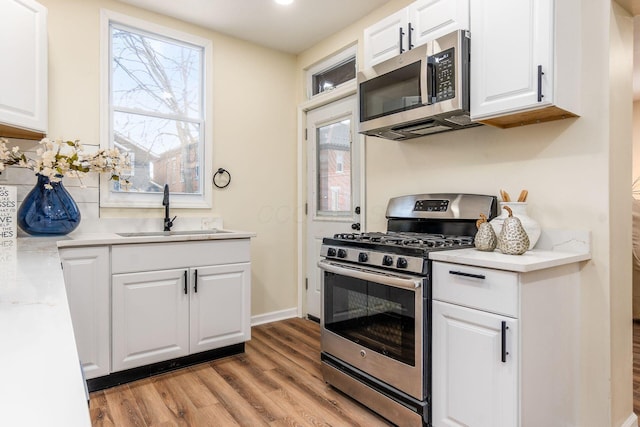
[[168, 221]]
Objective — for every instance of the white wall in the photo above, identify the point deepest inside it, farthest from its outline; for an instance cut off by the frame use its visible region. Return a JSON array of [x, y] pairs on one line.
[[573, 170], [254, 122], [620, 172]]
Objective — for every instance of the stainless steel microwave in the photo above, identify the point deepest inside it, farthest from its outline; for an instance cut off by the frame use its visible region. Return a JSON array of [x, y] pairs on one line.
[[420, 92]]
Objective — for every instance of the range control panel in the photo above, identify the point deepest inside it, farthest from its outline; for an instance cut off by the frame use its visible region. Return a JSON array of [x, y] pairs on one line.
[[431, 206]]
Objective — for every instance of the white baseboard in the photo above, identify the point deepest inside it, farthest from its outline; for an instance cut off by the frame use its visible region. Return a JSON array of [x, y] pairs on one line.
[[274, 316], [632, 421]]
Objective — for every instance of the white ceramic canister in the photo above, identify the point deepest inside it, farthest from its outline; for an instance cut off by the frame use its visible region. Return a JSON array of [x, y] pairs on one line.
[[519, 209]]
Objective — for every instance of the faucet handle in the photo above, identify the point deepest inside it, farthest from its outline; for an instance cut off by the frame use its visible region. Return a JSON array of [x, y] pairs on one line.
[[168, 223]]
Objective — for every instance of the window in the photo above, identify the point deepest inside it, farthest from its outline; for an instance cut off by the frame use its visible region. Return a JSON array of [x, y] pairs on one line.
[[339, 163], [332, 72], [334, 168], [154, 81]]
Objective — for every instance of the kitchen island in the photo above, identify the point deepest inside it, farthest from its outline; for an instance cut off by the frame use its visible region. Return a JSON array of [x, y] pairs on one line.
[[41, 380]]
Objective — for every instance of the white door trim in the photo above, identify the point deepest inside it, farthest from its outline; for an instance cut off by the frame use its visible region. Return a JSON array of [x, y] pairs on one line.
[[326, 98]]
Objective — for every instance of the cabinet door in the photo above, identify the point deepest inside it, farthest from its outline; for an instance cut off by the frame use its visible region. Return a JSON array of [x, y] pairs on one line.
[[220, 306], [86, 278], [431, 19], [472, 386], [150, 315], [23, 78], [509, 41], [386, 38]]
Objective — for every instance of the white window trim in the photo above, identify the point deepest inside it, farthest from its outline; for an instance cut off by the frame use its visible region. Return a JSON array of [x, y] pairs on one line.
[[327, 64], [141, 200]]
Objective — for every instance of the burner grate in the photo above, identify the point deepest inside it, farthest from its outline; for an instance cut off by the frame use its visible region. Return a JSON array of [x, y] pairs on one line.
[[415, 240]]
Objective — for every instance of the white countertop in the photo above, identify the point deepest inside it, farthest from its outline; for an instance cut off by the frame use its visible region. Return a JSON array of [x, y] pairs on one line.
[[105, 238], [555, 248], [41, 381], [529, 261]]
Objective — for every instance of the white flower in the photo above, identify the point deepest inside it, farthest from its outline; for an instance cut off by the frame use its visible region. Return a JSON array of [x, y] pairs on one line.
[[58, 158]]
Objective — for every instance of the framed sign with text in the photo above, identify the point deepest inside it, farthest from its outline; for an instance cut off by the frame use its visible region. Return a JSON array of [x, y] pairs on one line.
[[8, 212]]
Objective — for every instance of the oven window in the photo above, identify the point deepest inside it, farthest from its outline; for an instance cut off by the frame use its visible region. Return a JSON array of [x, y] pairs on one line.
[[378, 317], [395, 91]]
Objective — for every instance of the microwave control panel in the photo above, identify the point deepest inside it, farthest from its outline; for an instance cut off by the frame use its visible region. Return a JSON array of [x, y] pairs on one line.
[[443, 76]]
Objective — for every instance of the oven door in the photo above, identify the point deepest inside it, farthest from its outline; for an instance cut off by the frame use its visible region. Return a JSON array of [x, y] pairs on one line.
[[373, 320]]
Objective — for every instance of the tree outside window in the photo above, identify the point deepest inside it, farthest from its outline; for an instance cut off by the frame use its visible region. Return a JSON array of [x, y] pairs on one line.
[[156, 91]]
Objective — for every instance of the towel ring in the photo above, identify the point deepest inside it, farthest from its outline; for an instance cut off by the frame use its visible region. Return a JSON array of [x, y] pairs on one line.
[[220, 174]]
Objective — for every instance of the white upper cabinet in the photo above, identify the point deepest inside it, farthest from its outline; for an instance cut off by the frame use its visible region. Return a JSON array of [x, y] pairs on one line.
[[522, 70], [413, 26], [431, 19], [23, 76], [385, 39]]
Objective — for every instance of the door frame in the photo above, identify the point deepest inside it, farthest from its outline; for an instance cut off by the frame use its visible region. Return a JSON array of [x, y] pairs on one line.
[[343, 91]]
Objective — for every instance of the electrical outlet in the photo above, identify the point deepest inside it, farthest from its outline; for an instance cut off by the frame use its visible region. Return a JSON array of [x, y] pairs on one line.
[[211, 223]]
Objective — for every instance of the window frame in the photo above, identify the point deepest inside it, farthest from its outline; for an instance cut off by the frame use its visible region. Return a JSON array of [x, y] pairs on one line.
[[153, 200], [333, 61]]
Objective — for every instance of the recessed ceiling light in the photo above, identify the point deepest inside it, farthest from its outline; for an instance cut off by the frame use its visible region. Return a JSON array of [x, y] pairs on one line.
[[284, 1]]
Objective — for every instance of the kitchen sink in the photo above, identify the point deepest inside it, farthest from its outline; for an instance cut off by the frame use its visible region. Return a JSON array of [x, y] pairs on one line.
[[170, 233]]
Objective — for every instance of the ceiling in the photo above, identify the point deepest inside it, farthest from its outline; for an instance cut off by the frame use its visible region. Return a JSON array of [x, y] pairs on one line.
[[291, 28]]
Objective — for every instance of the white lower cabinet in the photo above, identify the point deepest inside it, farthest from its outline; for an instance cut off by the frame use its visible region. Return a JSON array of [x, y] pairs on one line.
[[161, 314], [476, 380], [219, 313], [137, 304], [86, 277], [504, 346], [150, 318]]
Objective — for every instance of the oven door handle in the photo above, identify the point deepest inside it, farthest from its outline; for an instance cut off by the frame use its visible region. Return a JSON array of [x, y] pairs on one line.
[[385, 278]]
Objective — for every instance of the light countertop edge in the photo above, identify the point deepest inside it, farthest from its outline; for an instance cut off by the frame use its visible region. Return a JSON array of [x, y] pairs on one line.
[[529, 261], [96, 239], [42, 383]]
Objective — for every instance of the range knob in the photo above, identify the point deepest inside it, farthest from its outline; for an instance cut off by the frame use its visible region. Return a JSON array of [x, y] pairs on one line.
[[331, 252], [402, 263], [387, 260], [342, 253], [363, 257]]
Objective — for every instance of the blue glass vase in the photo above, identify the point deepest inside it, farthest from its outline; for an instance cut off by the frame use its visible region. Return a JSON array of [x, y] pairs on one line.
[[48, 212]]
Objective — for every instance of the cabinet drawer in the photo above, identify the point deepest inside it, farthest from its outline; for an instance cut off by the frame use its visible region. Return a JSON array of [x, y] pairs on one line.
[[485, 289], [163, 256]]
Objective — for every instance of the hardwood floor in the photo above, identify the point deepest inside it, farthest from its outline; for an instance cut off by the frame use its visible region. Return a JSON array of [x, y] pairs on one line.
[[276, 382], [636, 367]]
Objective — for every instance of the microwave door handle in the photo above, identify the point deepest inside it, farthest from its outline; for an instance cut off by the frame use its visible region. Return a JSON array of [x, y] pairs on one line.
[[431, 80]]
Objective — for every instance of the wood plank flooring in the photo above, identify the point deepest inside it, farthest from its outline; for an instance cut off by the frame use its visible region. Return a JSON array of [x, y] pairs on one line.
[[636, 367], [276, 383]]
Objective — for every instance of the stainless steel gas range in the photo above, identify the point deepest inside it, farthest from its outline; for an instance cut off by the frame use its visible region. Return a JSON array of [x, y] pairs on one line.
[[376, 302]]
